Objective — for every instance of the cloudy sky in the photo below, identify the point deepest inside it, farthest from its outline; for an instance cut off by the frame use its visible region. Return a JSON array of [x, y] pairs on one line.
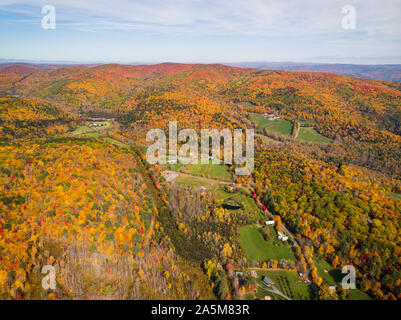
[[202, 31]]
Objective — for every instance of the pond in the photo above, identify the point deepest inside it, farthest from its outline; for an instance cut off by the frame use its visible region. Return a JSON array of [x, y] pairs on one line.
[[230, 206]]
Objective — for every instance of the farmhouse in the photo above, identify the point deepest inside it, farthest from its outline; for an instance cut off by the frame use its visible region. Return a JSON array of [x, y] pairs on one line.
[[282, 237], [95, 124], [267, 281], [332, 288], [271, 116]]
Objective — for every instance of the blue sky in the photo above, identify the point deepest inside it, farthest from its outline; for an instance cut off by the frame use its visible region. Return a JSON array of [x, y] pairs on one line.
[[202, 31]]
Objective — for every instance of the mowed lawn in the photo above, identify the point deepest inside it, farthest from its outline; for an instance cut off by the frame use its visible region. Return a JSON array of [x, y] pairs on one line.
[[116, 142], [256, 248], [321, 265], [196, 183], [358, 295], [246, 201], [266, 139], [281, 126], [394, 195], [247, 104], [288, 282], [309, 134], [334, 277], [211, 171], [80, 130]]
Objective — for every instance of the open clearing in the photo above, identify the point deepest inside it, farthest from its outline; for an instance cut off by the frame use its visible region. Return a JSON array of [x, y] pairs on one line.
[[81, 130], [210, 170], [281, 126], [284, 128], [247, 104], [288, 282], [322, 265], [309, 134], [256, 248], [394, 195], [332, 276], [266, 139], [196, 182], [243, 198]]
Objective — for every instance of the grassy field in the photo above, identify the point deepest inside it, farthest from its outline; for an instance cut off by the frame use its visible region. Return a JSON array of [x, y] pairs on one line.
[[248, 204], [261, 293], [211, 171], [266, 139], [321, 265], [80, 130], [288, 282], [281, 126], [309, 134], [92, 133], [358, 295], [256, 248], [247, 104], [394, 195], [117, 143], [334, 277], [175, 166], [196, 183]]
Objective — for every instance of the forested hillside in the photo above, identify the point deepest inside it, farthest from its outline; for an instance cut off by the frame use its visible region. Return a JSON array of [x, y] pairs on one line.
[[329, 169]]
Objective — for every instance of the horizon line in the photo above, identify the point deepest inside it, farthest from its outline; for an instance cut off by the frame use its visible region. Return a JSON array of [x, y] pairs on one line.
[[75, 62]]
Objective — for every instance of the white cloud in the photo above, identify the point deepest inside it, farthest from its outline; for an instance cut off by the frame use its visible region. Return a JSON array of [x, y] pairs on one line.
[[221, 17]]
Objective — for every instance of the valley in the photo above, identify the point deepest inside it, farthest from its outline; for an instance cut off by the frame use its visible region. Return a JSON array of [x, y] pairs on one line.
[[78, 193]]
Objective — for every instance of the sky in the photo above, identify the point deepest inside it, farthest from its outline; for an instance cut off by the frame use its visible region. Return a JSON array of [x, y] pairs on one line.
[[151, 31]]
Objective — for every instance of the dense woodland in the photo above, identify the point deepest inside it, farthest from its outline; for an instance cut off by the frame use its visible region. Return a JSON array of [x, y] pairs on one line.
[[71, 201]]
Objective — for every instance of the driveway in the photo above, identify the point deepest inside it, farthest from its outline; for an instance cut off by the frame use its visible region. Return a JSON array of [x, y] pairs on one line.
[[274, 290]]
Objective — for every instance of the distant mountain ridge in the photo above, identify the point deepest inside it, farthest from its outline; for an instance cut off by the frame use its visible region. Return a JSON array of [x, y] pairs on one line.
[[387, 72]]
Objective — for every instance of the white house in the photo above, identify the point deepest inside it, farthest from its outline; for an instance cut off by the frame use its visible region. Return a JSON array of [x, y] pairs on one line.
[[282, 237], [270, 223], [271, 116], [332, 288]]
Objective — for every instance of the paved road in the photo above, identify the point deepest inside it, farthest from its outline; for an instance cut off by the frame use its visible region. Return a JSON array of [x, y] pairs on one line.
[[290, 235], [274, 290], [170, 176]]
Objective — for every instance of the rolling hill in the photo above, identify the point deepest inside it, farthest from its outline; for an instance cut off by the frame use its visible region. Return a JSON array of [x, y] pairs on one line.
[[72, 195], [388, 72]]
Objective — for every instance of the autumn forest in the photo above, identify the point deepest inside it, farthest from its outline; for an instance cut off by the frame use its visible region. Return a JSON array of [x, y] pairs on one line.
[[77, 193]]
